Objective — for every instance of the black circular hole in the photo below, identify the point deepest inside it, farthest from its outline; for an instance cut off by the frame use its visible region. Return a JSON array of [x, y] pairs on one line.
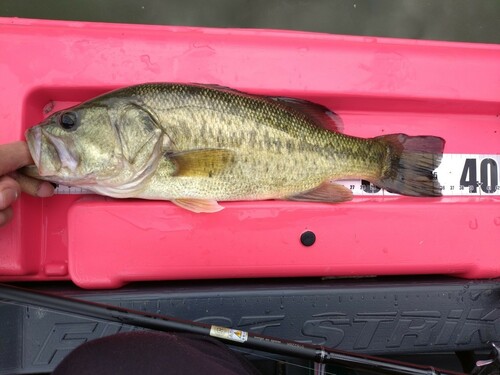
[[308, 238]]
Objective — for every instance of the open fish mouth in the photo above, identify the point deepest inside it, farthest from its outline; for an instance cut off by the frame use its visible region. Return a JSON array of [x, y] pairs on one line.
[[60, 150]]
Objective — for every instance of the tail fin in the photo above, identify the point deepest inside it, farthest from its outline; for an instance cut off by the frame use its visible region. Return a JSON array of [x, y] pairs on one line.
[[411, 162]]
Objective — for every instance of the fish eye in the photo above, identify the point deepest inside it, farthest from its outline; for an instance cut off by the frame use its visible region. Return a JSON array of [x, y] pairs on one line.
[[68, 120]]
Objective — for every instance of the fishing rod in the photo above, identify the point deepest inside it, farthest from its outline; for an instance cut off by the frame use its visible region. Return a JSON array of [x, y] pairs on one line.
[[318, 354]]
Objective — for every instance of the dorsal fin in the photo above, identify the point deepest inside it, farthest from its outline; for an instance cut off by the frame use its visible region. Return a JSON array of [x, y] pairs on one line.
[[320, 115]]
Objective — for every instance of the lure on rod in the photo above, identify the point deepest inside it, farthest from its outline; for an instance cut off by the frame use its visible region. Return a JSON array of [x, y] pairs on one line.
[[318, 354]]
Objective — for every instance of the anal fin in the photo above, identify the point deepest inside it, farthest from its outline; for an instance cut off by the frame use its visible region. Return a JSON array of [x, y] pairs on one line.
[[198, 205], [327, 192]]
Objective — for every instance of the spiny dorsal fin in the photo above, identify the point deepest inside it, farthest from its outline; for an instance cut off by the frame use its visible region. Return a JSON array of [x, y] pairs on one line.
[[327, 192], [201, 163], [320, 115]]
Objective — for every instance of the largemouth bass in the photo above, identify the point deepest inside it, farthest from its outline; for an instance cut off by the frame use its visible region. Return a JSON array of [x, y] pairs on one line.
[[196, 145]]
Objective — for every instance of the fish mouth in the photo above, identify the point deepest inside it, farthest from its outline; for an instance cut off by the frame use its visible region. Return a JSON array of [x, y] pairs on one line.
[[34, 140], [59, 149]]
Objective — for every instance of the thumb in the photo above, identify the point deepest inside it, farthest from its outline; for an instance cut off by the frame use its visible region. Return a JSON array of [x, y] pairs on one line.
[[9, 191], [32, 186]]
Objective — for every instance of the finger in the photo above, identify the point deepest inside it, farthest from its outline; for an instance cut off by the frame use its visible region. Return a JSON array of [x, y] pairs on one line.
[[5, 216], [13, 156], [9, 191], [33, 186]]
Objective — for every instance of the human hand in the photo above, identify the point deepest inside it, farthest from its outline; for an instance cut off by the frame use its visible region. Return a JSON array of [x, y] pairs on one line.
[[12, 157]]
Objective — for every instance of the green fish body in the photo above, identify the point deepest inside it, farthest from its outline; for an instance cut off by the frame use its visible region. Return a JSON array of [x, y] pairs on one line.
[[196, 145]]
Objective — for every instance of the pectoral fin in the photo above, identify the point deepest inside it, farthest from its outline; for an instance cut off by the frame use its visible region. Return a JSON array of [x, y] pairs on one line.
[[199, 205], [201, 163], [326, 192]]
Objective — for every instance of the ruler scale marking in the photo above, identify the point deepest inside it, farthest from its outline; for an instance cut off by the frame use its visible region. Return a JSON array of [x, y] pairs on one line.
[[458, 174]]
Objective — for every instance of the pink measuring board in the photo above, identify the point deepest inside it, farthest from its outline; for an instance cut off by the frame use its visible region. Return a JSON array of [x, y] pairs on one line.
[[378, 86]]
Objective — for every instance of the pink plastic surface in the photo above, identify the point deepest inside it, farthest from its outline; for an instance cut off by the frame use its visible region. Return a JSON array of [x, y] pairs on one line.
[[378, 86]]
